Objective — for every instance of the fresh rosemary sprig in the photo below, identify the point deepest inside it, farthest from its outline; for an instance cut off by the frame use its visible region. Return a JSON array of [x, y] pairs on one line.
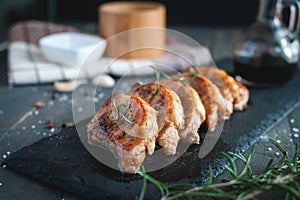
[[283, 175], [159, 73], [116, 110], [119, 111], [126, 119]]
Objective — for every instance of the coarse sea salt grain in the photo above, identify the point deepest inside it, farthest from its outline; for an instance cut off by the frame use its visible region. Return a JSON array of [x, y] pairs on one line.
[[51, 103], [264, 138], [101, 95], [33, 127], [1, 184], [296, 135], [269, 149], [292, 120], [278, 141], [277, 153], [4, 156], [296, 130]]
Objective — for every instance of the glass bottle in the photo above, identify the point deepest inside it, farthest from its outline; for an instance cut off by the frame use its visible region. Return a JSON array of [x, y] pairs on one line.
[[267, 53]]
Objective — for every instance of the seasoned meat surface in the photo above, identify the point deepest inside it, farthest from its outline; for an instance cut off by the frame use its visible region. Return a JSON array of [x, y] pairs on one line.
[[168, 105], [218, 79], [127, 127], [232, 90], [213, 101], [193, 108]]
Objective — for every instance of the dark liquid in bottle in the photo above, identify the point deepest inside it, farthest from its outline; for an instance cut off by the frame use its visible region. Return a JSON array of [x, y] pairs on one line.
[[268, 71]]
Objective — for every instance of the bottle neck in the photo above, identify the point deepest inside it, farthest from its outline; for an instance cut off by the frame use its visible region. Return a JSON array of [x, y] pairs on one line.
[[270, 10]]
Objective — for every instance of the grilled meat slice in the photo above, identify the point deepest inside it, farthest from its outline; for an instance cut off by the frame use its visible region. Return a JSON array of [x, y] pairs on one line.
[[213, 101], [218, 78], [169, 108], [231, 89], [193, 108], [240, 93], [127, 127]]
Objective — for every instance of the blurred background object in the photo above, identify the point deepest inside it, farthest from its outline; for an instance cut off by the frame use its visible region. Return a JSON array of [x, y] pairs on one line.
[[84, 13]]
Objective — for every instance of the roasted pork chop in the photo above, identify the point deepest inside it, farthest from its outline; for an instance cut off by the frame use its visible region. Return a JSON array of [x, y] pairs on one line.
[[212, 99], [127, 127], [193, 108], [232, 90], [170, 111]]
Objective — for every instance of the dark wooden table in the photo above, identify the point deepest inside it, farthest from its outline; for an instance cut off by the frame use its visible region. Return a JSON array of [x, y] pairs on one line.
[[21, 124]]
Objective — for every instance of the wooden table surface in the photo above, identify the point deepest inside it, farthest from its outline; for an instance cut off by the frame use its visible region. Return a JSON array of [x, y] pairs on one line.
[[21, 124]]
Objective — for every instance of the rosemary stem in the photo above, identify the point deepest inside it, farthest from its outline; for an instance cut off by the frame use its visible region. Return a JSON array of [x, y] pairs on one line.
[[195, 189], [276, 181]]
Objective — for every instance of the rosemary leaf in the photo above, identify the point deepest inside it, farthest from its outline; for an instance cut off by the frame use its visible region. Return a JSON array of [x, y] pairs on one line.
[[126, 119], [116, 110], [166, 75], [267, 168], [295, 158], [143, 192], [233, 169], [278, 146]]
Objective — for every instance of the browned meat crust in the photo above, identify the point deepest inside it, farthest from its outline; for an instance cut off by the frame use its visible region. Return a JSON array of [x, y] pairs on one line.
[[169, 108], [214, 102], [232, 90], [127, 141], [193, 108]]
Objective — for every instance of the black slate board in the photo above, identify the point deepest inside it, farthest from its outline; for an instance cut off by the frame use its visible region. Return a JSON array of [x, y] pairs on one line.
[[62, 160]]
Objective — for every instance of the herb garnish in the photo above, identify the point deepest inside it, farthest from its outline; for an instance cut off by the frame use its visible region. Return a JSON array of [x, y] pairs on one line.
[[119, 111], [283, 175], [158, 73]]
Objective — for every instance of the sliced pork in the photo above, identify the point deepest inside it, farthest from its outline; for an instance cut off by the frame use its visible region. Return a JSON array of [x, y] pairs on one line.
[[193, 108], [126, 126], [212, 99], [170, 112], [232, 90]]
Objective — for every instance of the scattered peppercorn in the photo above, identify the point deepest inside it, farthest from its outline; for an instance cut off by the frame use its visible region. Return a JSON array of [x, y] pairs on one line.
[[49, 124], [39, 104]]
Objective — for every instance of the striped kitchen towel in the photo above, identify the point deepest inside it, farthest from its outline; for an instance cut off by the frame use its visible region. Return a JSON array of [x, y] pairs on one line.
[[27, 65]]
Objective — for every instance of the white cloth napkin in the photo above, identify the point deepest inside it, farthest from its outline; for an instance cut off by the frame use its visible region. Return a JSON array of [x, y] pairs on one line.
[[27, 64]]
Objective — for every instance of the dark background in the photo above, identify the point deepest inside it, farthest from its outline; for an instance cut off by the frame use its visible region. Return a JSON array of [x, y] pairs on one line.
[[179, 12]]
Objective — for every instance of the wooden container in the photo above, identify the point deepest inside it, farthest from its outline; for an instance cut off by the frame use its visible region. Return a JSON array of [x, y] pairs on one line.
[[117, 17]]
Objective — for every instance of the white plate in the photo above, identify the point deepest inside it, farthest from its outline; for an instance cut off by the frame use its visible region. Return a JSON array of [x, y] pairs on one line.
[[72, 48]]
